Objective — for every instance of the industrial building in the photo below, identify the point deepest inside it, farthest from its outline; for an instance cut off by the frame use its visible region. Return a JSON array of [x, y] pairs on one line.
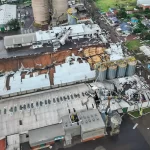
[[7, 13], [42, 114], [56, 35]]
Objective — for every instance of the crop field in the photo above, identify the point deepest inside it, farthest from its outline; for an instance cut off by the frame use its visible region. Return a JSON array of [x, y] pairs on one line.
[[104, 5]]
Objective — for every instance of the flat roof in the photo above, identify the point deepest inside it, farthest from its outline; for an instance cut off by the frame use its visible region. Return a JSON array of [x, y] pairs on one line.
[[20, 39], [91, 120], [7, 12], [21, 114], [45, 134]]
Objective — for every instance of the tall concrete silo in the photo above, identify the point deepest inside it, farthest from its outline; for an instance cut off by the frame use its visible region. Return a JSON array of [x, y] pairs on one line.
[[131, 66], [121, 71], [41, 11], [101, 72], [60, 9], [112, 69]]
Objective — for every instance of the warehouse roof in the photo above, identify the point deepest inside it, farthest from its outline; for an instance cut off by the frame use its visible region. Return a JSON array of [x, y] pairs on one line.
[[19, 39], [7, 12], [45, 134], [37, 110]]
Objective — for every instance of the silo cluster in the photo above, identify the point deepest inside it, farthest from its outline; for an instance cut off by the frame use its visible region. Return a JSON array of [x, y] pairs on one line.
[[116, 69], [42, 9]]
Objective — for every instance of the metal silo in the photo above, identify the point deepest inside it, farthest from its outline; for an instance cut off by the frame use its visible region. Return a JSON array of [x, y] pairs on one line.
[[60, 9], [111, 72], [121, 70], [101, 72], [131, 66], [41, 11], [72, 16]]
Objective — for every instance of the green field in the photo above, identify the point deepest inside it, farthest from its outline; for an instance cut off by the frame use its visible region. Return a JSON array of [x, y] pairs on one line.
[[104, 5], [133, 44]]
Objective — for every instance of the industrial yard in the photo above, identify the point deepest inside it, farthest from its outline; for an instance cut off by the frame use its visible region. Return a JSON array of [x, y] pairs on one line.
[[71, 83]]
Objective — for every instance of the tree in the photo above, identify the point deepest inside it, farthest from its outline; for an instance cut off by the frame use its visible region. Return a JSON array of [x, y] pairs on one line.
[[147, 10], [13, 23], [122, 13]]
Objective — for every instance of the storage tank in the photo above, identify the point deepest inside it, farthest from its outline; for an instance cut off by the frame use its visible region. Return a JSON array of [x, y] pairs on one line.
[[72, 16], [112, 69], [41, 11], [121, 70], [101, 72], [60, 9], [131, 66]]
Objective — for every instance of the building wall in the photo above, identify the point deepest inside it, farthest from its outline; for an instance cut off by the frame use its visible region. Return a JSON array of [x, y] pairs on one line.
[[3, 144], [144, 7]]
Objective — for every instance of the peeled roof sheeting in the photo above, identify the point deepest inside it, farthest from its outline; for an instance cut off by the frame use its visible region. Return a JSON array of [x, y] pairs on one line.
[[19, 39]]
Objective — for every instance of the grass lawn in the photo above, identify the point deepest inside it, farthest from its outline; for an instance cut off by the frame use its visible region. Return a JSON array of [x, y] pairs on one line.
[[104, 5], [133, 44], [137, 114]]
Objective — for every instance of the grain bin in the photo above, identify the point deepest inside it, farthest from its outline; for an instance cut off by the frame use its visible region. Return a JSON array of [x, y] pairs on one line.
[[101, 72], [112, 69], [41, 11], [131, 66], [72, 16], [60, 9], [121, 70]]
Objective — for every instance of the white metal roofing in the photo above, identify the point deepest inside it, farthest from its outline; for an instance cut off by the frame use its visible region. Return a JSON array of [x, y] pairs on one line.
[[143, 2], [7, 12], [28, 83], [65, 73], [44, 115]]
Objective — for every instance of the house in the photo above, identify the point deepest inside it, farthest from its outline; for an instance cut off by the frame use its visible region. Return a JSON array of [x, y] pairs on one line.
[[134, 20], [125, 28], [146, 22], [114, 20], [143, 3]]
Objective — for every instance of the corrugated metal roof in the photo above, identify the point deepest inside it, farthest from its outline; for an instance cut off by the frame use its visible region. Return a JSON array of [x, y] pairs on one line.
[[19, 39], [91, 120], [45, 134]]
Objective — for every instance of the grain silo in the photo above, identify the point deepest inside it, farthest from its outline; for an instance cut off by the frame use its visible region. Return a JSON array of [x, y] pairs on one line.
[[112, 69], [122, 65], [60, 9], [131, 66], [72, 16], [101, 71], [41, 11]]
